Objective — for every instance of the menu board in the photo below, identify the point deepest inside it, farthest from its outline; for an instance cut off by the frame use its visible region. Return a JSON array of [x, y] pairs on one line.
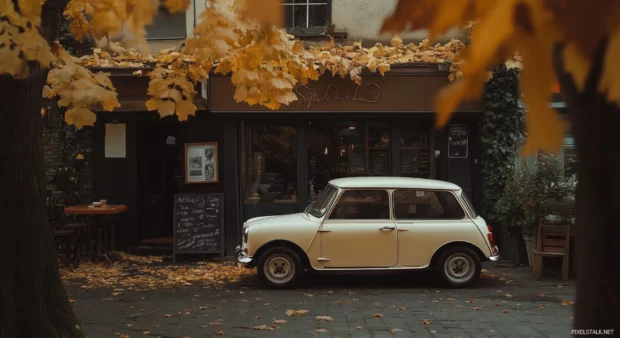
[[424, 160], [379, 161], [358, 160], [457, 141], [407, 161], [198, 224]]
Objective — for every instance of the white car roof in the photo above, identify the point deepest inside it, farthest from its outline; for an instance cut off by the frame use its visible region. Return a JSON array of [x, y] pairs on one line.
[[392, 183]]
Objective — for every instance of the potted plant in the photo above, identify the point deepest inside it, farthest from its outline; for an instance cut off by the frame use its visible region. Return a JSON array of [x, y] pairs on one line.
[[543, 196]]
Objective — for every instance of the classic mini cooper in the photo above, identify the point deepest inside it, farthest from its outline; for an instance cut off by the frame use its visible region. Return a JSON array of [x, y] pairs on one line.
[[373, 223]]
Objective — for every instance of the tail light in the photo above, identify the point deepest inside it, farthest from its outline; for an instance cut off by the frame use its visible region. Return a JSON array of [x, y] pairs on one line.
[[492, 240]]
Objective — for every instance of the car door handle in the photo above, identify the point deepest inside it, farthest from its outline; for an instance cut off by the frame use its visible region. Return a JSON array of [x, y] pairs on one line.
[[387, 228]]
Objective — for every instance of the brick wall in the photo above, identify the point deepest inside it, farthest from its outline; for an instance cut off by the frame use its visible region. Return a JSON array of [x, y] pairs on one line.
[[65, 176]]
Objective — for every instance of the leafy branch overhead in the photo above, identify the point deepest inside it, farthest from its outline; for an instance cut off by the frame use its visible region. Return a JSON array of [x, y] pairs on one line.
[[533, 28]]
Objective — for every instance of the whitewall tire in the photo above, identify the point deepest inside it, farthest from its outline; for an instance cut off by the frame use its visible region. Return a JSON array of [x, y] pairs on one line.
[[459, 267], [280, 267]]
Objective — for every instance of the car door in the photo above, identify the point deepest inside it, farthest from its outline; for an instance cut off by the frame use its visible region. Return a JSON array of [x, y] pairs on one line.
[[359, 232], [427, 220]]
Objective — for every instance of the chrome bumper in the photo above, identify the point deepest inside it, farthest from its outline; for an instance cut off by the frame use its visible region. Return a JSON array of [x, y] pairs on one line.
[[494, 258], [242, 257]]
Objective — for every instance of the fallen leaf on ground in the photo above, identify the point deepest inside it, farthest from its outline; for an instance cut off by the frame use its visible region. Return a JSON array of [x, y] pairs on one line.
[[476, 308], [359, 327], [571, 318], [262, 328], [203, 308], [505, 311], [324, 318], [168, 315], [470, 301], [559, 286], [459, 306], [508, 295], [566, 303], [320, 330], [279, 321], [498, 304], [400, 308], [378, 315], [395, 330], [124, 336], [220, 333], [426, 322], [266, 304], [308, 295], [203, 326], [71, 300], [296, 313], [451, 298], [146, 332], [215, 324]]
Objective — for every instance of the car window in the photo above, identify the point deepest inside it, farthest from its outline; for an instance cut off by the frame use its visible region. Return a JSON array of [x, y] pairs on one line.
[[362, 204], [469, 205], [323, 201], [422, 204]]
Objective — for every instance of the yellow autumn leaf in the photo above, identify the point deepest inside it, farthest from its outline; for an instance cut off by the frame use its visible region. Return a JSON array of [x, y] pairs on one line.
[[268, 12], [174, 6], [576, 64], [80, 117], [164, 108], [610, 81]]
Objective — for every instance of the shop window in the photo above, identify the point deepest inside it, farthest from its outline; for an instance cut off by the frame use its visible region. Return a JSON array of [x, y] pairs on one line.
[[415, 150], [346, 149], [362, 205], [420, 204], [269, 168], [306, 16]]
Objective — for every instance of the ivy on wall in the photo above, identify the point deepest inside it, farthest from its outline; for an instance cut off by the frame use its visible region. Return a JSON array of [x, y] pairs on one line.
[[501, 132]]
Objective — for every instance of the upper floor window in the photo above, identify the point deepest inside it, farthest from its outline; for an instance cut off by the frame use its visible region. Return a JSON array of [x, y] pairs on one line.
[[167, 26], [306, 15]]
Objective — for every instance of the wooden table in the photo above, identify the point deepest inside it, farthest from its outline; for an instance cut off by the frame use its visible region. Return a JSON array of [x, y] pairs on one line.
[[97, 212]]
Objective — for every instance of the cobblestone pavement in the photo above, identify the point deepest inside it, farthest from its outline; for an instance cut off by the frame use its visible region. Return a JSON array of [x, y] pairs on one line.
[[403, 305]]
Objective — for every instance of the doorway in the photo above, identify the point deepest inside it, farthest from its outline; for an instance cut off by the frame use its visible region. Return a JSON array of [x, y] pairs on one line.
[[159, 176]]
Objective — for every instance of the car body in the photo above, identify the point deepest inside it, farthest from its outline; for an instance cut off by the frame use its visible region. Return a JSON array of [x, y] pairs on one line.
[[372, 223]]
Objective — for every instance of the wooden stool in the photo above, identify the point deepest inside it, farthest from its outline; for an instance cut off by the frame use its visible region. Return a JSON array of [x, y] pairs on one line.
[[552, 241]]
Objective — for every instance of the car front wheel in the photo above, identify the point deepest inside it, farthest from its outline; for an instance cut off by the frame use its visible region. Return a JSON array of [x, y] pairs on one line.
[[459, 267], [280, 267]]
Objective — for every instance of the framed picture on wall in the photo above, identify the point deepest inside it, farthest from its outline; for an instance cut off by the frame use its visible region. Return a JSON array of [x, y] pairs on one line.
[[201, 163]]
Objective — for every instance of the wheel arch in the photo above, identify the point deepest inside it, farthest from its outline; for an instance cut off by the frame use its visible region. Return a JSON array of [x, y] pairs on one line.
[[283, 243], [450, 245]]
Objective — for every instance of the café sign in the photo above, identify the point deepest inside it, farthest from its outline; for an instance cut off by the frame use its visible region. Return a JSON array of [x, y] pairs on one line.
[[396, 93]]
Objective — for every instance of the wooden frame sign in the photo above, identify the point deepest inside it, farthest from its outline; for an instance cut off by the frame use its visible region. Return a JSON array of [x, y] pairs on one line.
[[201, 163]]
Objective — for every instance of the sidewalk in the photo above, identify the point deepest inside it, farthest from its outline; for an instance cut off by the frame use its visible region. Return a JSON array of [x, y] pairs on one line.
[[505, 303]]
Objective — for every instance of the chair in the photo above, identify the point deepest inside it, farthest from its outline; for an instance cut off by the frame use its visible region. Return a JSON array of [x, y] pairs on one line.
[[551, 241], [82, 230]]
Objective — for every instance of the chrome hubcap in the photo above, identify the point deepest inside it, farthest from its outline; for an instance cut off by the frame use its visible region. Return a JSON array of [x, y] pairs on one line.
[[459, 267], [279, 268]]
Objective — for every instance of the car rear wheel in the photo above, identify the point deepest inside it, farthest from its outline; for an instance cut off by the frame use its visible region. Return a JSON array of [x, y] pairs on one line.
[[459, 267], [280, 267]]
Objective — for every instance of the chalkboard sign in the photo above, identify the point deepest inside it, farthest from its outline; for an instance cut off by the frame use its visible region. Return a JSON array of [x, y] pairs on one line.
[[424, 160], [378, 161], [198, 224], [407, 161], [457, 141], [358, 160]]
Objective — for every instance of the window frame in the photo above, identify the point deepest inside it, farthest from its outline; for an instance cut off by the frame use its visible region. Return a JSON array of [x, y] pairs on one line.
[[309, 30], [343, 190], [466, 214]]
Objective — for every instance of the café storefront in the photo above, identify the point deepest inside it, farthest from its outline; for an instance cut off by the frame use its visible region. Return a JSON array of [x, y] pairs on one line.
[[275, 162], [383, 127]]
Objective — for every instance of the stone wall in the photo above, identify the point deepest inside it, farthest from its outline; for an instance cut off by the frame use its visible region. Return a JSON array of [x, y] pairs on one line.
[[69, 177]]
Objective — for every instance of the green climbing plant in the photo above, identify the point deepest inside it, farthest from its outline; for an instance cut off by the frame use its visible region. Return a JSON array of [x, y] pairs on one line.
[[501, 132]]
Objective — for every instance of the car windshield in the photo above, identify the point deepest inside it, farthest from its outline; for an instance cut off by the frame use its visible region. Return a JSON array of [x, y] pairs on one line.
[[323, 201], [469, 205]]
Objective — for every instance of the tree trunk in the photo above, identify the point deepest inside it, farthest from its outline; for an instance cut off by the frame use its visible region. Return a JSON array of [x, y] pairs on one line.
[[34, 300], [595, 125]]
